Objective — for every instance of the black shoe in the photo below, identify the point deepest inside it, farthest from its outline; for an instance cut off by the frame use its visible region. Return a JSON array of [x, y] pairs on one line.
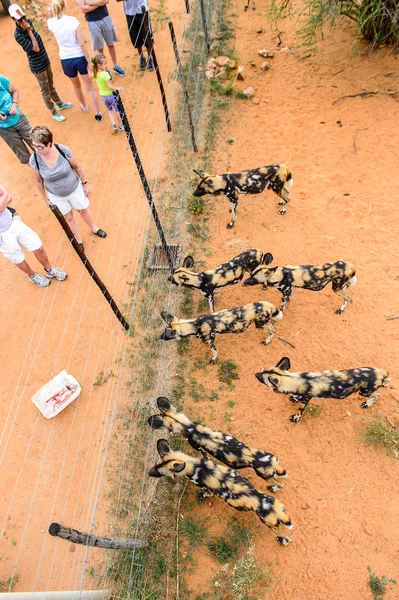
[[98, 117], [101, 233]]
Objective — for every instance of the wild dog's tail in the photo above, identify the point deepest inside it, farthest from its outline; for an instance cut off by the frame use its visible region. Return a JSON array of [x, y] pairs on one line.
[[282, 515], [276, 466], [289, 181], [385, 380]]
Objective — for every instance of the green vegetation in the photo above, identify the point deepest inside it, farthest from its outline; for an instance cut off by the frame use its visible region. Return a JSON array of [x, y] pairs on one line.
[[376, 20], [101, 378], [239, 581], [8, 585], [196, 205], [195, 531], [228, 372], [378, 585], [378, 433], [313, 411], [228, 546]]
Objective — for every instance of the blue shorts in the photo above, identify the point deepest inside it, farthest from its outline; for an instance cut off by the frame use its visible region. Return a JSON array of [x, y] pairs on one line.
[[73, 66]]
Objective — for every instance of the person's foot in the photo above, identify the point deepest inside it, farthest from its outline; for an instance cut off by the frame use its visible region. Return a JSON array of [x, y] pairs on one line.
[[101, 233], [121, 128], [119, 71], [64, 105], [143, 63], [40, 280], [115, 129], [150, 64], [98, 117], [57, 273], [84, 108], [58, 117]]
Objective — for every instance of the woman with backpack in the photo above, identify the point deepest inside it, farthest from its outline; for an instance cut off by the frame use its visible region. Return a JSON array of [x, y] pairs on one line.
[[61, 180]]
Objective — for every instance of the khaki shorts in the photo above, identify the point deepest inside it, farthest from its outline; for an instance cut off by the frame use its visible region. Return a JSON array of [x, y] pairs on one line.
[[100, 31], [18, 234], [76, 200]]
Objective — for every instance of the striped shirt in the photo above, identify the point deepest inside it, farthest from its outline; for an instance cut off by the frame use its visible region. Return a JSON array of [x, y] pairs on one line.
[[38, 61]]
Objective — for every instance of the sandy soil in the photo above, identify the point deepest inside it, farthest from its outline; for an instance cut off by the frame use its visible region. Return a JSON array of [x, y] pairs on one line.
[[343, 156]]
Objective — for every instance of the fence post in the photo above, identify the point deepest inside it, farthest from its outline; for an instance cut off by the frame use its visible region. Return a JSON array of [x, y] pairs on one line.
[[78, 537], [187, 6], [150, 42], [204, 25], [143, 178], [183, 83], [60, 217]]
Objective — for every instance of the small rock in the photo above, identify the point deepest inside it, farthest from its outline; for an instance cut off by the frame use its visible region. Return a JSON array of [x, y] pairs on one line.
[[211, 64], [252, 63], [200, 68], [222, 75], [265, 66], [209, 74], [346, 194], [232, 64], [255, 101], [259, 30], [240, 73], [222, 61], [266, 53], [249, 92]]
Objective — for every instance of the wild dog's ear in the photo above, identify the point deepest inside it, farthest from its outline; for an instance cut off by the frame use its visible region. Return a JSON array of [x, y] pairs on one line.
[[284, 364], [163, 404], [178, 467], [188, 262], [163, 448], [156, 422], [267, 258], [202, 174], [273, 380], [167, 317]]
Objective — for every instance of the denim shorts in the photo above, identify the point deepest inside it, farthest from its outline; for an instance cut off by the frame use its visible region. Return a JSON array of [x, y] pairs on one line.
[[73, 66]]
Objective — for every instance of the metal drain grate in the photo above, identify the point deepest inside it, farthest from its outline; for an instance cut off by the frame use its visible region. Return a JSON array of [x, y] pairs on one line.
[[157, 258]]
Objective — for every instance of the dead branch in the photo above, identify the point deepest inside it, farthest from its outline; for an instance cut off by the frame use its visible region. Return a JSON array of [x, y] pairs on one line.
[[390, 422], [79, 537], [393, 318], [286, 342], [365, 94]]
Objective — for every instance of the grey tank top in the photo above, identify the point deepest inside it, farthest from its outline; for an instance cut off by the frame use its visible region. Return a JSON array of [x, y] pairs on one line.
[[60, 180]]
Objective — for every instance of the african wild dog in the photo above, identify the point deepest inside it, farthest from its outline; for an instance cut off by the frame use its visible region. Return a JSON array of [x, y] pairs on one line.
[[253, 181], [226, 274], [231, 320], [224, 483], [342, 275], [225, 448], [323, 384], [247, 5]]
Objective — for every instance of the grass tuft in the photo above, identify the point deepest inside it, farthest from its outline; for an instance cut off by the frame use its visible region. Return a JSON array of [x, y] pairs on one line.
[[378, 585], [228, 372], [378, 433], [195, 531]]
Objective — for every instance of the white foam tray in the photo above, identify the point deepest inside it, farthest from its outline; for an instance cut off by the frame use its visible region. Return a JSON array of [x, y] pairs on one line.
[[46, 400]]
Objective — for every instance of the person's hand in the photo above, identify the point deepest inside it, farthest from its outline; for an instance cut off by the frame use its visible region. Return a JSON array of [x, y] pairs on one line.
[[86, 189], [3, 116], [13, 110], [24, 24]]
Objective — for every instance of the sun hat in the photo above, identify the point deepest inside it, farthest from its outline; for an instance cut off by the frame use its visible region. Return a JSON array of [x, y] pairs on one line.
[[16, 12]]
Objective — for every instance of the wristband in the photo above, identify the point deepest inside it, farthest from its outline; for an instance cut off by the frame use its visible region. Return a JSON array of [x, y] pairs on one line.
[[13, 102]]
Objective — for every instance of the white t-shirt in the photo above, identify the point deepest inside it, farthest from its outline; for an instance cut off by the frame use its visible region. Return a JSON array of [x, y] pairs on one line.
[[64, 30]]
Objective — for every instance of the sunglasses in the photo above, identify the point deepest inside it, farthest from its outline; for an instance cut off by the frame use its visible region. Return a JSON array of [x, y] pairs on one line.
[[38, 146]]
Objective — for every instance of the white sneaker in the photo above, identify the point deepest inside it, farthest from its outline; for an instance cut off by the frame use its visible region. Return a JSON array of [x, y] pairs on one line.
[[57, 273], [40, 280]]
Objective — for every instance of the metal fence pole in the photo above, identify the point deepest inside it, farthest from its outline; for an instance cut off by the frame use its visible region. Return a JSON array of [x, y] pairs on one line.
[[143, 178], [183, 83], [61, 219], [206, 36]]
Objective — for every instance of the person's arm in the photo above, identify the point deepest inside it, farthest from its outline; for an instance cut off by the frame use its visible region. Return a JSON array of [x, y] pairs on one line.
[[79, 171], [111, 87], [5, 198], [37, 178], [82, 44], [15, 97], [33, 44], [87, 6]]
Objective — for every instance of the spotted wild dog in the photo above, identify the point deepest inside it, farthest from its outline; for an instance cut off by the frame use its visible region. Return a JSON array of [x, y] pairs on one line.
[[226, 274], [302, 387], [341, 274], [231, 320], [224, 483], [253, 181], [221, 446]]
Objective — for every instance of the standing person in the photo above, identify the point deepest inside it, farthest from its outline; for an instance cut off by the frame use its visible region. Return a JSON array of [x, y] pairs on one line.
[[58, 173], [14, 234], [102, 78], [101, 29], [14, 126], [39, 62], [138, 35], [73, 53]]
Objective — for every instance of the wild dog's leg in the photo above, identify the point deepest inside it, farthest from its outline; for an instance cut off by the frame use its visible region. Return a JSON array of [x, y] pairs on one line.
[[270, 327], [233, 197], [294, 398], [275, 487], [283, 540], [211, 302], [340, 290], [214, 351], [304, 400], [286, 292], [204, 493], [372, 397]]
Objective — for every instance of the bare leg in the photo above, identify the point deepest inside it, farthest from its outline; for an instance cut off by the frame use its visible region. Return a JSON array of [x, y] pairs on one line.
[[23, 266], [92, 93], [78, 91], [112, 52], [111, 114], [74, 226], [88, 219], [42, 258]]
